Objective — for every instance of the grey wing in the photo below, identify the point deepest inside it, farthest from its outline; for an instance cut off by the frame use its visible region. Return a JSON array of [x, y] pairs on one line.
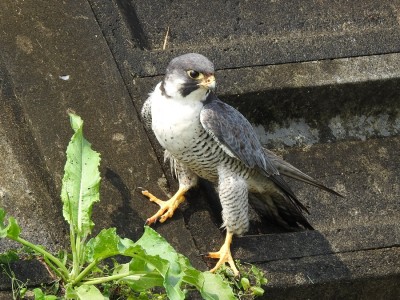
[[146, 113], [289, 170], [237, 138], [234, 134]]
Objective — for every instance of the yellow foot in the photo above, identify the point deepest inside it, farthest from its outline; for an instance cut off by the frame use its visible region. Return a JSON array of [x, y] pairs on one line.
[[167, 208], [224, 255]]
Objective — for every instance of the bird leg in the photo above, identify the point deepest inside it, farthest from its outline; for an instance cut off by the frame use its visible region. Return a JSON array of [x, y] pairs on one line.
[[167, 208], [224, 255]]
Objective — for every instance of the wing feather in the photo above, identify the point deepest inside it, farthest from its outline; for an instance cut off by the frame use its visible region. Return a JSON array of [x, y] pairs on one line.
[[235, 135]]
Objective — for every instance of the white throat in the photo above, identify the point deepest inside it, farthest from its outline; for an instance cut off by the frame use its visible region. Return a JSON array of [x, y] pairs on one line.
[[175, 116]]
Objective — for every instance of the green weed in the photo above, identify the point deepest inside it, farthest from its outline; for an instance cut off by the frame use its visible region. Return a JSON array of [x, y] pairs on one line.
[[152, 272]]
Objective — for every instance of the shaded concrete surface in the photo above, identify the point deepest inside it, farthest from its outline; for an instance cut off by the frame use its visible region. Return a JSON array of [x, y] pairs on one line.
[[319, 81], [366, 275], [67, 41], [32, 273], [42, 41], [246, 33]]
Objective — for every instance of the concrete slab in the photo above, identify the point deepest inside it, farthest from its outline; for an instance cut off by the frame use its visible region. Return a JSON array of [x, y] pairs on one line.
[[336, 118], [26, 187], [342, 276], [32, 273], [246, 33], [44, 43], [328, 117]]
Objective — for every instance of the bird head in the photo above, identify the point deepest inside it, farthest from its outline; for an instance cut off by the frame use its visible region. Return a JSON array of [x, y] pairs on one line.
[[189, 75]]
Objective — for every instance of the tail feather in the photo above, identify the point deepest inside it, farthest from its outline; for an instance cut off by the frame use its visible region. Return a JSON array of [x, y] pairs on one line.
[[282, 205], [279, 208], [281, 183], [288, 170]]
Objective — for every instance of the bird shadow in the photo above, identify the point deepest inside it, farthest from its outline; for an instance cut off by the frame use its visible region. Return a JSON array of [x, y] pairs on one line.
[[280, 251]]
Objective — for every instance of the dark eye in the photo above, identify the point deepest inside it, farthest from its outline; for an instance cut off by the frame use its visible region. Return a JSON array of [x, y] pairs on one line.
[[194, 74]]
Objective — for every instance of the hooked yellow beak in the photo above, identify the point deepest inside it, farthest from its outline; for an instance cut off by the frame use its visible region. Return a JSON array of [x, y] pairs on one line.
[[208, 82]]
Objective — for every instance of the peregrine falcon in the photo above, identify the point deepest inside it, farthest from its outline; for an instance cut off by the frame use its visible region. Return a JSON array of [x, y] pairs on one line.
[[205, 137]]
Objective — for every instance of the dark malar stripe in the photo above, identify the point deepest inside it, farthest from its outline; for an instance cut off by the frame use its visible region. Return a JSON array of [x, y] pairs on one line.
[[188, 88]]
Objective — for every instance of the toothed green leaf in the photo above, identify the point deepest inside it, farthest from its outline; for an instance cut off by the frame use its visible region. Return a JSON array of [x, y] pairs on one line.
[[81, 182], [86, 292], [211, 286], [8, 257], [104, 245], [12, 230]]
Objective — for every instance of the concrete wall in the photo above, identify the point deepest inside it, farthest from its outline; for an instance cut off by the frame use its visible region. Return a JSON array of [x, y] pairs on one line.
[[318, 79]]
